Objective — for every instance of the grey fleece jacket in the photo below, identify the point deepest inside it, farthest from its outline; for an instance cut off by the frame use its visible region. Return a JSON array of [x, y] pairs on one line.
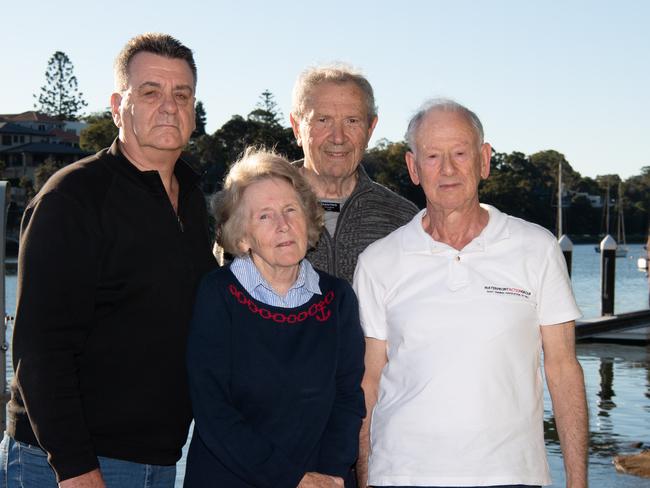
[[371, 212]]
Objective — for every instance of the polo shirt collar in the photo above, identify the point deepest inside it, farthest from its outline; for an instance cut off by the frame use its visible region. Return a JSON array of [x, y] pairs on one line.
[[416, 240]]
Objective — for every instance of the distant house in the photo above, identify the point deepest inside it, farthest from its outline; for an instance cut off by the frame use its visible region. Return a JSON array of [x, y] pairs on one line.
[[28, 140], [596, 201]]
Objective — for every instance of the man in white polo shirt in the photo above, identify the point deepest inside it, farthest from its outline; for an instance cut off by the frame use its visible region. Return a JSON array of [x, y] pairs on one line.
[[457, 307]]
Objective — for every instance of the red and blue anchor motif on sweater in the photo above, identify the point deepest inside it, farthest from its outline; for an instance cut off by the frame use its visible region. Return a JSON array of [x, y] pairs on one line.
[[318, 310]]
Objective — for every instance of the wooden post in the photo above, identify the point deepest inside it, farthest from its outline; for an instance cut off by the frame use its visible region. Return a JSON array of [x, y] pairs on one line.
[[567, 249], [607, 274], [4, 197]]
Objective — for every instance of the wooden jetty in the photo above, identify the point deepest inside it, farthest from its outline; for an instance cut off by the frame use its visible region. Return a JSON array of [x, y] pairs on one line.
[[633, 327]]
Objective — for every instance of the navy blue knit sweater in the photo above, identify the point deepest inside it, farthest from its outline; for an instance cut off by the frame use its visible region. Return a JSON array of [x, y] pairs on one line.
[[275, 391]]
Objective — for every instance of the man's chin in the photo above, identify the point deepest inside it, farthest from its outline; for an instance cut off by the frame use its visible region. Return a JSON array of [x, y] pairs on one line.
[[168, 145]]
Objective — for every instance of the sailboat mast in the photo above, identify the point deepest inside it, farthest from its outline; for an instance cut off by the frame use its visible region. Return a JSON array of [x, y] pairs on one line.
[[607, 210], [559, 199], [620, 227]]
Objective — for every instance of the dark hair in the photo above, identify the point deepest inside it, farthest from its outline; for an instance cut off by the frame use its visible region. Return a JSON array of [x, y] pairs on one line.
[[155, 43]]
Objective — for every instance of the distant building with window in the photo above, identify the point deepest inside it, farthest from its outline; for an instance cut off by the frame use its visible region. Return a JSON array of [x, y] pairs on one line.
[[30, 139], [596, 201]]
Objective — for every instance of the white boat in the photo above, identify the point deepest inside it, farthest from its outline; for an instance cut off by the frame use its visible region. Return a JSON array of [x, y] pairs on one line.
[[642, 263]]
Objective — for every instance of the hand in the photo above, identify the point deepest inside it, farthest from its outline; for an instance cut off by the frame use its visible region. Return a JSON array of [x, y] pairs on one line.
[[92, 479], [317, 480]]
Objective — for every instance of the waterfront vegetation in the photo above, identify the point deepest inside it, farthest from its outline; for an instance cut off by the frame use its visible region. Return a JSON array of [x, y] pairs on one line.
[[521, 185]]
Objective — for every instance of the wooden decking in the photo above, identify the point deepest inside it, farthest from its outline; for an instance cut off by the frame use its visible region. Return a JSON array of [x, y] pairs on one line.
[[625, 327]]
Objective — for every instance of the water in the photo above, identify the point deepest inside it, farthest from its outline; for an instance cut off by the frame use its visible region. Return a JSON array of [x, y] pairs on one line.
[[631, 288], [617, 377]]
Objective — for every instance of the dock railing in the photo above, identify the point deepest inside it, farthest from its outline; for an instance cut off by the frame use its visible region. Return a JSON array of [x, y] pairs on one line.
[[609, 325]]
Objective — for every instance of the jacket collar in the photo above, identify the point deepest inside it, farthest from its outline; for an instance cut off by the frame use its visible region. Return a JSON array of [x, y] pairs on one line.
[[364, 183], [186, 176]]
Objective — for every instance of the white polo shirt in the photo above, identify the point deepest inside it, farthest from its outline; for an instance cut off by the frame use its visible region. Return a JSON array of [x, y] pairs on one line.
[[460, 399]]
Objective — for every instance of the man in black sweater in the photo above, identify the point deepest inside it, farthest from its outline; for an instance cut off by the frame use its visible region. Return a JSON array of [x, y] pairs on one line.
[[111, 252]]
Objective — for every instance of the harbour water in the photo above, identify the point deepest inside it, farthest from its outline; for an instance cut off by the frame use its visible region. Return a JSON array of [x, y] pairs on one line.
[[617, 376]]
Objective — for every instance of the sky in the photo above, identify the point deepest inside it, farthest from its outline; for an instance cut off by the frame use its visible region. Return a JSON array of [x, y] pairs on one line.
[[573, 76]]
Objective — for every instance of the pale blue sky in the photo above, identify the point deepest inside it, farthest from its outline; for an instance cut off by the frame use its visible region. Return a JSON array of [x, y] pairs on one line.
[[567, 75]]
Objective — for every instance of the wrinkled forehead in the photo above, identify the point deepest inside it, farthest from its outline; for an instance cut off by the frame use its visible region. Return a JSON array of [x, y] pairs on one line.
[[332, 92], [448, 127]]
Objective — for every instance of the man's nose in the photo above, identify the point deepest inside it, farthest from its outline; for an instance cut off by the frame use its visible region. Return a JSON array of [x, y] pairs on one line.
[[338, 133], [168, 104], [447, 166]]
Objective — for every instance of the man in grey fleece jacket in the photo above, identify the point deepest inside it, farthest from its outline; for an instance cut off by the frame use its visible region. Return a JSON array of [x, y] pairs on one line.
[[333, 117]]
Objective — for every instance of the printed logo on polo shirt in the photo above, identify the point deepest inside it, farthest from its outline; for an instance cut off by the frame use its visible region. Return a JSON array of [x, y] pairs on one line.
[[506, 290]]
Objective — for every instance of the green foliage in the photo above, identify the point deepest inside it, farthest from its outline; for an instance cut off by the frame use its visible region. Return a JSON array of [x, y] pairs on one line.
[[266, 111], [386, 165], [26, 184], [520, 185], [215, 153], [99, 133], [636, 204], [200, 119], [43, 172], [60, 96]]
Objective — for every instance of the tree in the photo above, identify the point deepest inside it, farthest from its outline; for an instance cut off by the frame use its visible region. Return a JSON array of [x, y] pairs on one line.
[[637, 203], [385, 164], [60, 96], [99, 133], [516, 186], [200, 119], [43, 172], [266, 111], [215, 153]]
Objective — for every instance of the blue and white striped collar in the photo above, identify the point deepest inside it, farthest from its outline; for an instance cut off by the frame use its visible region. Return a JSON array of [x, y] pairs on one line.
[[306, 285]]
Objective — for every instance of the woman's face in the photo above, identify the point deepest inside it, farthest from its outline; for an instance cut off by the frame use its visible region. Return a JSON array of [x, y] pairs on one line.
[[276, 225]]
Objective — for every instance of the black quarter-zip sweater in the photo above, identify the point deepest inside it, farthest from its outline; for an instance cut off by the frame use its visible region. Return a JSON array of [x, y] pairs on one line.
[[107, 274]]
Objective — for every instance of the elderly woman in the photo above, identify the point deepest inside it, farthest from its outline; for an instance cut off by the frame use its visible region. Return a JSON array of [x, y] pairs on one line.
[[275, 352]]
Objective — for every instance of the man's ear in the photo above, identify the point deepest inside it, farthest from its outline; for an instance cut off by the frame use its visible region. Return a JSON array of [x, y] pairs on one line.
[[373, 124], [116, 101], [295, 125], [412, 167], [486, 156]]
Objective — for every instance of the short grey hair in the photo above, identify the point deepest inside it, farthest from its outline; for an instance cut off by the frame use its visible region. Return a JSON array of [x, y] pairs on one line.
[[443, 105], [332, 73]]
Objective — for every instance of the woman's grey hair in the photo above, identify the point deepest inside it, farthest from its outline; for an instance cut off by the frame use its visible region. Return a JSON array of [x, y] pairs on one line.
[[257, 165], [334, 73], [444, 105]]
